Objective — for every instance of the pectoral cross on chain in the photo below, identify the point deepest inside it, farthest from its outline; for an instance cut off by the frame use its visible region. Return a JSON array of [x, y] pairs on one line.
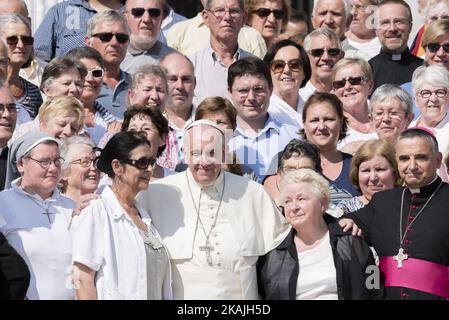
[[208, 248], [48, 213], [400, 257]]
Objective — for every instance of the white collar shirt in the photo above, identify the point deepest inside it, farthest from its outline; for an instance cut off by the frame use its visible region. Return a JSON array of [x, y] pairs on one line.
[[282, 112], [42, 240], [306, 91], [106, 240]]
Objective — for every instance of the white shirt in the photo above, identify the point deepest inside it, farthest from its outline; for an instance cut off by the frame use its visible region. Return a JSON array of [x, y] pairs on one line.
[[354, 135], [106, 240], [284, 113], [45, 245], [317, 279], [306, 91], [370, 48]]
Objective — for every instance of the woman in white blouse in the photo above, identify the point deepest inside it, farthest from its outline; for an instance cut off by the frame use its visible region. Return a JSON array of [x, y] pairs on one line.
[[37, 217], [317, 260], [117, 252]]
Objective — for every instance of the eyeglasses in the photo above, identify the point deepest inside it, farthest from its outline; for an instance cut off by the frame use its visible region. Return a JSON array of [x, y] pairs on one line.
[[354, 81], [440, 93], [96, 73], [26, 40], [107, 37], [85, 162], [153, 12], [219, 13], [142, 163], [10, 106], [257, 90], [398, 23], [277, 66], [333, 52], [265, 12], [434, 47], [357, 8], [390, 114], [45, 163]]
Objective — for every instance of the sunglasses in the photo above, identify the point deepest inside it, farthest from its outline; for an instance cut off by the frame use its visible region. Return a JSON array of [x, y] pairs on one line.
[[265, 12], [96, 73], [107, 37], [277, 66], [153, 12], [434, 47], [354, 81], [26, 40], [142, 163], [333, 52]]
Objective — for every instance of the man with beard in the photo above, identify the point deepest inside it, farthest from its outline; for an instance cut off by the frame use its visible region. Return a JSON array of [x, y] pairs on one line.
[[394, 64], [144, 19]]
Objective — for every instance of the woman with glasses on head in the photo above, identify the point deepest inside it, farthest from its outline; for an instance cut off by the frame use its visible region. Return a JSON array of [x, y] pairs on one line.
[[117, 252], [352, 82], [290, 71], [80, 177], [15, 31], [38, 217], [96, 118], [268, 17]]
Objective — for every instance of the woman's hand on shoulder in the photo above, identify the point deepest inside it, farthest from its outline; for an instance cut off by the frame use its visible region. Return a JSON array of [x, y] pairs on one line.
[[348, 224], [84, 201]]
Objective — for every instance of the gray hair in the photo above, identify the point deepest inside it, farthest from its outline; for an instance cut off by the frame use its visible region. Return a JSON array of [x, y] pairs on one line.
[[392, 91], [362, 63], [346, 7], [66, 148], [319, 185], [209, 3], [148, 69], [321, 32], [13, 18], [435, 75], [106, 16]]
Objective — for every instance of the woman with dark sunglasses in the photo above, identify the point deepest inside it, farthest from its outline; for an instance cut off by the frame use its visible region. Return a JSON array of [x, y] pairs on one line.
[[290, 70], [268, 17], [352, 83], [117, 252], [15, 31]]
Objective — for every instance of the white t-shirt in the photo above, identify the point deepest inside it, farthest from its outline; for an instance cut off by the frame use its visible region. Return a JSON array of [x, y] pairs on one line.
[[317, 279], [42, 240], [284, 113], [306, 91], [370, 48]]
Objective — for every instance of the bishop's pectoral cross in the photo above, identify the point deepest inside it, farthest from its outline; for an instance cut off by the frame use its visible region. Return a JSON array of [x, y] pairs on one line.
[[208, 248], [400, 257]]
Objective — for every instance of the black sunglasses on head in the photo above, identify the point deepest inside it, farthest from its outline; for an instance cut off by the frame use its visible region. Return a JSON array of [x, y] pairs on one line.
[[107, 37], [13, 40], [333, 52], [434, 47], [153, 12], [142, 163], [265, 12]]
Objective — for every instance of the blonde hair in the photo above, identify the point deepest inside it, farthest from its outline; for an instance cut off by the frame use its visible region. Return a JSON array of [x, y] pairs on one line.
[[319, 185], [64, 105], [362, 63]]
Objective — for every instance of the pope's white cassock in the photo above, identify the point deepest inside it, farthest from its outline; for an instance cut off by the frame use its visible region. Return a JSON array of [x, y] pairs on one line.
[[243, 227]]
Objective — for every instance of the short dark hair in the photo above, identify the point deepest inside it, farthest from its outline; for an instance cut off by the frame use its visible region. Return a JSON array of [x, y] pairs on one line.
[[119, 147], [302, 148], [249, 66], [402, 3], [332, 99], [303, 56], [419, 132], [58, 67], [156, 116], [79, 53]]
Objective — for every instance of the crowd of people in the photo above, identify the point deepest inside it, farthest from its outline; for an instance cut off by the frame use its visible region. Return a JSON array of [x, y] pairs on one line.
[[234, 155]]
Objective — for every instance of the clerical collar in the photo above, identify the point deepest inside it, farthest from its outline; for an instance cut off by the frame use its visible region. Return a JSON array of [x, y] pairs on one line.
[[215, 185], [395, 56], [429, 188]]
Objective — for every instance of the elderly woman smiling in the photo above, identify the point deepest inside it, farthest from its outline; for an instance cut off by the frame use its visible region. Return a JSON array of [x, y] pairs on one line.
[[307, 264], [431, 86]]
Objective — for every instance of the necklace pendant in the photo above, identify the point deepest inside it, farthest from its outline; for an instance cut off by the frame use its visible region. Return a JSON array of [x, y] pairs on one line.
[[401, 256]]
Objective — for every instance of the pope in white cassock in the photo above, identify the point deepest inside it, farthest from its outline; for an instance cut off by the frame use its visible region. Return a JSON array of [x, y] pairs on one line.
[[215, 224]]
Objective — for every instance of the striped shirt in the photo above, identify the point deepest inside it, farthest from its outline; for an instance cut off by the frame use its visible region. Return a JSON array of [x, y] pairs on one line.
[[31, 99], [62, 29]]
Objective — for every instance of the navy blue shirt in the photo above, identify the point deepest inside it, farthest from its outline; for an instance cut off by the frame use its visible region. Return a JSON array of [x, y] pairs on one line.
[[342, 188]]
